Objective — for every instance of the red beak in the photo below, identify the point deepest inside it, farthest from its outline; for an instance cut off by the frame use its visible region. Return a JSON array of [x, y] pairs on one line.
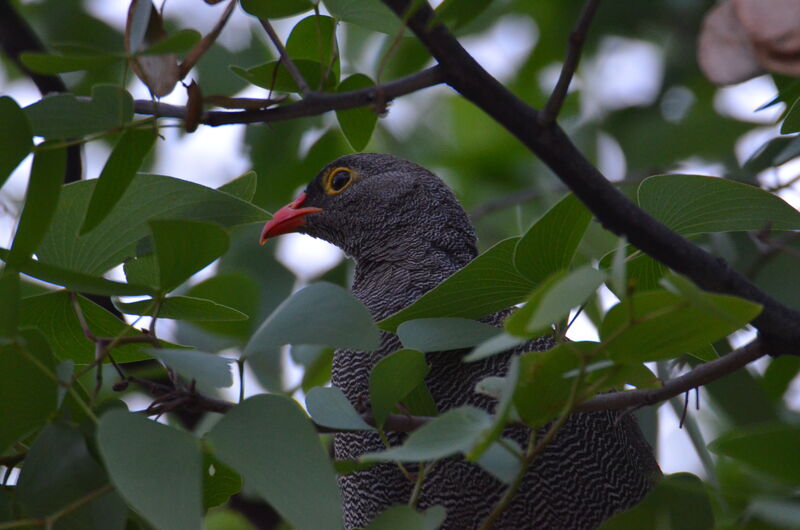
[[287, 219]]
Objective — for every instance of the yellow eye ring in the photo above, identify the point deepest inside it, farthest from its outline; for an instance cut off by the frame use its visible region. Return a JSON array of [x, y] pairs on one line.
[[338, 180]]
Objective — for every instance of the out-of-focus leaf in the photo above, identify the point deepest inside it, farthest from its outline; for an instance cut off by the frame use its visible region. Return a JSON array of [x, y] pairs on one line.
[[179, 42], [141, 456], [314, 38], [502, 410], [27, 394], [678, 502], [275, 8], [219, 482], [553, 299], [45, 63], [455, 431], [779, 375], [665, 324], [77, 281], [329, 407], [487, 284], [693, 204], [500, 461], [117, 174], [10, 293], [242, 187], [281, 459], [58, 471], [321, 313], [371, 15], [63, 116], [53, 315], [791, 123], [185, 247], [549, 245], [41, 200], [542, 390], [207, 369], [456, 14], [15, 137], [274, 75], [765, 448], [357, 124], [115, 239], [442, 334], [497, 344], [779, 512], [392, 379], [183, 308], [405, 517]]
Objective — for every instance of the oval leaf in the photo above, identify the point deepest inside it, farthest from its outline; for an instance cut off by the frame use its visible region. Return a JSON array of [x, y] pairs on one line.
[[392, 379], [357, 124], [15, 137], [329, 407], [208, 369], [442, 334]]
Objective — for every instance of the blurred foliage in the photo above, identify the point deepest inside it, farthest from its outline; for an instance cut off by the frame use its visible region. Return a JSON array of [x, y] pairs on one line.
[[85, 462]]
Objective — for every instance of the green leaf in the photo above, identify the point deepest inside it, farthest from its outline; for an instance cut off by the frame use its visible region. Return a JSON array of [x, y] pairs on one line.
[[115, 239], [275, 8], [693, 204], [442, 334], [549, 245], [665, 324], [455, 431], [791, 123], [77, 281], [274, 75], [359, 123], [208, 369], [117, 174], [219, 483], [501, 413], [553, 299], [183, 308], [41, 199], [271, 443], [392, 379], [242, 187], [142, 456], [15, 137], [497, 344], [54, 316], [10, 294], [314, 38], [371, 15], [542, 391], [456, 14], [487, 284], [329, 407], [404, 517], [185, 247], [45, 63], [765, 448], [181, 41], [678, 502], [63, 116], [321, 313], [235, 290], [59, 470], [27, 393]]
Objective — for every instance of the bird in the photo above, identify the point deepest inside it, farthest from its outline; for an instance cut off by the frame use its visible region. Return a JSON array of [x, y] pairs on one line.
[[407, 232]]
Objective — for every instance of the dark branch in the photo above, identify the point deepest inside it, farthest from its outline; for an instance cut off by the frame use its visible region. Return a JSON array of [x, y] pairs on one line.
[[779, 325], [697, 377], [576, 40], [312, 105]]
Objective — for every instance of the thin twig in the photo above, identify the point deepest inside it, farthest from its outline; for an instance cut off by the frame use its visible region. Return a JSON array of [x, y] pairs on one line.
[[699, 376], [89, 497], [312, 105], [576, 40], [297, 77]]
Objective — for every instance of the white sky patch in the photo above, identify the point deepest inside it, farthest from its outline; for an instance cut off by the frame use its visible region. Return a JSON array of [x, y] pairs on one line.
[[503, 47], [610, 157], [624, 73], [741, 101], [675, 451], [306, 256]]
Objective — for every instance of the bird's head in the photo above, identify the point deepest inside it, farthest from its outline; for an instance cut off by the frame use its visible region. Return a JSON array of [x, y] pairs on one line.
[[372, 204]]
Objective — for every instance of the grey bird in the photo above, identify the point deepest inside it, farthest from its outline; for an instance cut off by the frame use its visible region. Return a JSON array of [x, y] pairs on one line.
[[407, 233]]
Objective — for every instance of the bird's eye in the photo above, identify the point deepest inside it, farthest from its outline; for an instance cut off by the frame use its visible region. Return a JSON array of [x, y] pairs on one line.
[[339, 180]]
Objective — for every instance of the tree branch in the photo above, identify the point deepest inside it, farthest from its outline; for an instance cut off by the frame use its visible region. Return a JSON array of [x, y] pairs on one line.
[[779, 325], [576, 40], [699, 376], [312, 105]]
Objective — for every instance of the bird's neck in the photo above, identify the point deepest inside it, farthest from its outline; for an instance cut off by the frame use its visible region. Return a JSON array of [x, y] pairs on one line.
[[395, 278]]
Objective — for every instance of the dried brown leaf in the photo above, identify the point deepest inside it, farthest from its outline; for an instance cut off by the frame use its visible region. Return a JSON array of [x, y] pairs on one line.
[[194, 107], [724, 52], [202, 47], [158, 72]]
